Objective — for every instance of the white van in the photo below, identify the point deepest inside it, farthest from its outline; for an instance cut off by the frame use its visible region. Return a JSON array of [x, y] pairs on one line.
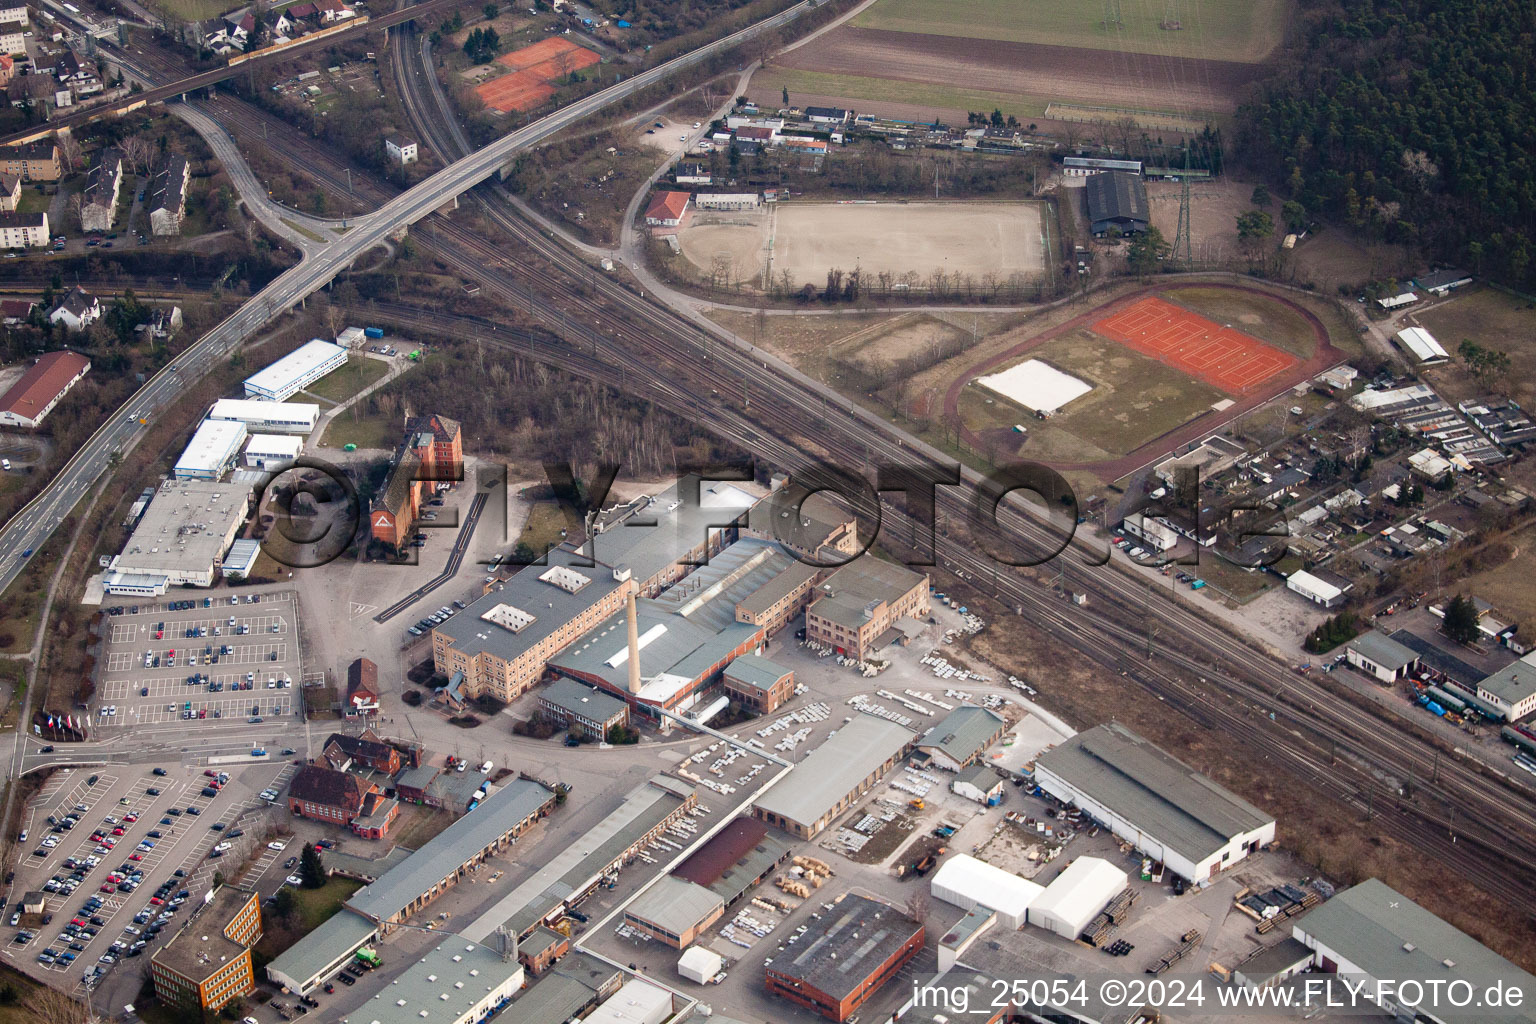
[[5, 464], [485, 769]]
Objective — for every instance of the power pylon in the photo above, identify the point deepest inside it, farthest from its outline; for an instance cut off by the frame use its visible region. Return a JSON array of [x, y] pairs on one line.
[[1183, 243]]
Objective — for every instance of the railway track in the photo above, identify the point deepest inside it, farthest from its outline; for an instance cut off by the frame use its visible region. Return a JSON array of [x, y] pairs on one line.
[[1482, 827]]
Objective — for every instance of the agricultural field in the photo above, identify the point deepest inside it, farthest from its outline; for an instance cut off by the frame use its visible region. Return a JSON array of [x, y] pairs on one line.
[[805, 240], [857, 65], [1240, 30]]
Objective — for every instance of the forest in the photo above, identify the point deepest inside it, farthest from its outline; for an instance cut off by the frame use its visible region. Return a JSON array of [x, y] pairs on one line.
[[1412, 121]]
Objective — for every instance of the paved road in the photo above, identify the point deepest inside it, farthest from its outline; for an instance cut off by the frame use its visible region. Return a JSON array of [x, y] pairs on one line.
[[33, 524], [455, 559]]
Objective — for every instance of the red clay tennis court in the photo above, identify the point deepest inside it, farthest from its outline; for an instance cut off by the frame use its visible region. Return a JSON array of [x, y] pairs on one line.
[[1231, 360], [533, 68]]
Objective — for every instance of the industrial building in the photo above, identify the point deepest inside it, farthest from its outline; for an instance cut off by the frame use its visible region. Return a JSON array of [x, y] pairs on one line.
[[268, 417], [734, 860], [1422, 346], [637, 1002], [843, 959], [1380, 657], [296, 371], [575, 984], [214, 447], [859, 605], [271, 452], [1075, 897], [1153, 801], [455, 982], [967, 882], [571, 703], [208, 962], [1512, 689], [35, 394], [1322, 587], [440, 864], [1374, 934], [960, 738], [834, 775], [674, 911], [1117, 201], [576, 871], [699, 965], [759, 683], [181, 539], [980, 783]]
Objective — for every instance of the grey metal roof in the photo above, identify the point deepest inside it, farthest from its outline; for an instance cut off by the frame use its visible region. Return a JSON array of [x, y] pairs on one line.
[[850, 942], [979, 775], [1280, 957], [564, 991], [442, 855], [444, 983], [852, 589], [776, 589], [1512, 683], [832, 770], [674, 904], [1387, 935], [1150, 788], [341, 933], [963, 732], [680, 517], [577, 698], [735, 880], [1115, 195], [1383, 650], [755, 670], [550, 605]]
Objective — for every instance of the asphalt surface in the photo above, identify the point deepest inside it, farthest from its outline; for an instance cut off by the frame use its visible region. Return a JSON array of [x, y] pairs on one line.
[[33, 524], [455, 559]]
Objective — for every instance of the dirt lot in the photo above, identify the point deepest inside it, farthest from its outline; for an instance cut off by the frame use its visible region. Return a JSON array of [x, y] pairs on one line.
[[1030, 69], [808, 239], [914, 336], [1492, 319]]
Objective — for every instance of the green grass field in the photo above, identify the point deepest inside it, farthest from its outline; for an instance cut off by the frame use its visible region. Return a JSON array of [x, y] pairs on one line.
[[342, 384], [194, 10], [365, 431], [1134, 399], [1495, 320], [317, 905], [771, 80], [1237, 30]]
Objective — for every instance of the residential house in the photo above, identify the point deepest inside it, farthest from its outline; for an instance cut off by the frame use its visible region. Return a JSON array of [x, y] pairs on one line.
[[101, 191], [364, 750], [12, 41], [24, 230], [362, 689], [77, 310], [14, 18], [16, 311], [667, 209], [7, 69], [10, 193], [333, 11], [167, 196], [31, 161], [401, 149]]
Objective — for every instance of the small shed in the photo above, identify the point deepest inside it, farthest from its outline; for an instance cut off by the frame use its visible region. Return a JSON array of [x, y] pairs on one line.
[[34, 902], [980, 783]]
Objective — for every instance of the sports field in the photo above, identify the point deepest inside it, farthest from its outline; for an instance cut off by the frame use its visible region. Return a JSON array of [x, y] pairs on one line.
[[808, 239], [1238, 30], [534, 68], [1218, 355]]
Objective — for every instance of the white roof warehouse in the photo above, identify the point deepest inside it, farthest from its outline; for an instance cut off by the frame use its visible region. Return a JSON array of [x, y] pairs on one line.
[[298, 369], [834, 775], [184, 533], [1157, 803]]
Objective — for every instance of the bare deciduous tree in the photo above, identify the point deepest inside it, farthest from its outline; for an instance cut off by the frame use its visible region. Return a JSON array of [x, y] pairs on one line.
[[69, 151], [917, 904], [137, 151]]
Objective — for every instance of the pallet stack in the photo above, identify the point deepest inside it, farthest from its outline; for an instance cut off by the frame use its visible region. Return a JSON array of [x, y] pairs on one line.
[[1188, 943]]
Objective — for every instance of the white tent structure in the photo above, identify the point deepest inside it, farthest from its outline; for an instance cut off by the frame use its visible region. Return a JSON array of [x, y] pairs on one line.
[[1422, 345], [699, 964], [965, 882], [1076, 896]]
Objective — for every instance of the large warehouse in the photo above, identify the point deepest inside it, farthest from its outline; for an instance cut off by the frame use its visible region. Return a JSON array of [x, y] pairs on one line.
[[212, 451], [961, 737], [272, 451], [27, 402], [842, 959], [1374, 934], [181, 539], [1148, 798], [834, 775], [1117, 201], [674, 911], [1076, 896], [455, 982], [296, 371], [965, 882], [267, 417]]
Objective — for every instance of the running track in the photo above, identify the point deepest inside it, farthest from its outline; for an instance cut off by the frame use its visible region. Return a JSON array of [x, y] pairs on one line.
[[1323, 357]]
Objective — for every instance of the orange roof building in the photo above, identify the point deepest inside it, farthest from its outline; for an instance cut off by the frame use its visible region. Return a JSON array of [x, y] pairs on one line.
[[667, 209], [33, 397]]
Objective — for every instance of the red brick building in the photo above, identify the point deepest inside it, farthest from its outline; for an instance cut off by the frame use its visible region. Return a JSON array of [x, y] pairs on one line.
[[365, 750], [431, 452], [845, 957], [325, 794], [362, 689]]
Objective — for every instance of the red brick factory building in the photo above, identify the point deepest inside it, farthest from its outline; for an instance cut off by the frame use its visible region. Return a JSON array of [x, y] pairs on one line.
[[842, 960]]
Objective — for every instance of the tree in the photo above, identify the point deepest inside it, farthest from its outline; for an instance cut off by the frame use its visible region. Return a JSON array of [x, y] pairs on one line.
[[1294, 215], [1488, 365], [786, 95], [1260, 196], [1461, 619], [1253, 228], [1145, 250], [284, 903], [491, 10], [311, 870]]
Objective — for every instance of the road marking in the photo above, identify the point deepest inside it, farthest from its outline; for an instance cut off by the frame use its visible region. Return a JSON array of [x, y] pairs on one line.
[[359, 610]]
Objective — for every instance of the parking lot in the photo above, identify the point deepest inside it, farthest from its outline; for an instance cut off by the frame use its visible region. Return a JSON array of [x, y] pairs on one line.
[[227, 658], [116, 850]]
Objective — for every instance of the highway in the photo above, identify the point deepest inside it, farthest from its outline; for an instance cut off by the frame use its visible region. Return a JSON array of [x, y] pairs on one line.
[[34, 523]]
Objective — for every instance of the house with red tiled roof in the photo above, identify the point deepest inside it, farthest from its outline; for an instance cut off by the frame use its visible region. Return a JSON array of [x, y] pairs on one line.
[[667, 209], [34, 396], [326, 794]]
